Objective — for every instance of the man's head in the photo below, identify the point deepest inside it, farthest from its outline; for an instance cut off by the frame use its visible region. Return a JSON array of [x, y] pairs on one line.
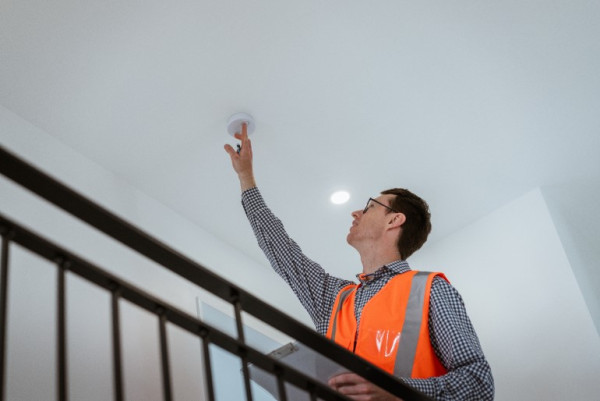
[[417, 225], [397, 218]]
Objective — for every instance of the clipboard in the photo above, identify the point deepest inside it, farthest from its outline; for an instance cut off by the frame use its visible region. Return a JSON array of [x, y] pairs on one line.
[[301, 358]]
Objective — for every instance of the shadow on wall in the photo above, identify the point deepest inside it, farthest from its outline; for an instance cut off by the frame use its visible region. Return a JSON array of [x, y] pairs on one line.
[[574, 210]]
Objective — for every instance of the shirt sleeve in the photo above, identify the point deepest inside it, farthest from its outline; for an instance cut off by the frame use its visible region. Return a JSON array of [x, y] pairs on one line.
[[456, 344], [315, 288]]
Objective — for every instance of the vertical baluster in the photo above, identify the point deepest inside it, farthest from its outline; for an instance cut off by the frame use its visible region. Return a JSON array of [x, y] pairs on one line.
[[3, 311], [164, 351], [208, 376], [116, 335], [61, 346], [311, 392], [280, 385], [240, 329]]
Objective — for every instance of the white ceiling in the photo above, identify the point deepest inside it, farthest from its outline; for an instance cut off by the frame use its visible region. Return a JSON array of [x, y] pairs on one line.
[[468, 103]]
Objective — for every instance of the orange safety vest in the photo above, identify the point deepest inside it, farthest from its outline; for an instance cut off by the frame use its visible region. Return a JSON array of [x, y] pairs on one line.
[[393, 332]]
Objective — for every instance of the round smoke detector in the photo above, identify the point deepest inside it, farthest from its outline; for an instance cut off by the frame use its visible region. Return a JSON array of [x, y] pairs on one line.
[[234, 125]]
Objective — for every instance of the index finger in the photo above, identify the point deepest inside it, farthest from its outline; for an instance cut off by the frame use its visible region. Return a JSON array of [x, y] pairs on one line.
[[244, 136]]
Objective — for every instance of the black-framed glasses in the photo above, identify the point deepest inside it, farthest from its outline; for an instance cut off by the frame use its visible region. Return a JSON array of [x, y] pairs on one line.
[[376, 201]]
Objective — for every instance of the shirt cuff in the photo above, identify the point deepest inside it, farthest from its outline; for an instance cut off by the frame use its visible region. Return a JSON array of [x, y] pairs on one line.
[[252, 201]]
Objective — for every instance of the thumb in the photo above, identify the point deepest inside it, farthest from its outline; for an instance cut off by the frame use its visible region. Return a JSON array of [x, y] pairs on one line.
[[229, 149]]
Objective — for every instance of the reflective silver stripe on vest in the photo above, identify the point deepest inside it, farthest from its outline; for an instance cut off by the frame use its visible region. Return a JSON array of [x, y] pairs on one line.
[[343, 297], [407, 348]]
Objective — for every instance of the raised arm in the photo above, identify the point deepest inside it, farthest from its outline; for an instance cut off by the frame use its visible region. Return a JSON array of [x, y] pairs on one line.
[[315, 289]]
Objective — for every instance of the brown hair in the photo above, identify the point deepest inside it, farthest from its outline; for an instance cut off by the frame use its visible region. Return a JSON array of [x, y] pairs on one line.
[[417, 226]]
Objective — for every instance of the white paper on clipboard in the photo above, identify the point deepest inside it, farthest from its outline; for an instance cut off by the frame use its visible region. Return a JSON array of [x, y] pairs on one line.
[[301, 358]]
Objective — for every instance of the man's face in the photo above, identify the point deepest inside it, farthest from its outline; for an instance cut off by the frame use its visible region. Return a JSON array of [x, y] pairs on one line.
[[370, 223]]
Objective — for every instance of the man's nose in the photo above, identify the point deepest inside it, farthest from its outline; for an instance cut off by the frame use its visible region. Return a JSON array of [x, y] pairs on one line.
[[356, 214]]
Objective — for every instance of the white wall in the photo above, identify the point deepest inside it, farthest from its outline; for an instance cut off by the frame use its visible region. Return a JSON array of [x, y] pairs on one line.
[[523, 299], [31, 335], [574, 210]]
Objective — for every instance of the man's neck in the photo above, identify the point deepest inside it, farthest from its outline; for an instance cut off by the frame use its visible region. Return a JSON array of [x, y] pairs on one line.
[[374, 259]]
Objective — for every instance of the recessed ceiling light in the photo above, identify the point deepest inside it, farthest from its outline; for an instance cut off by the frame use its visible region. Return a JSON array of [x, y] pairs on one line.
[[339, 197]]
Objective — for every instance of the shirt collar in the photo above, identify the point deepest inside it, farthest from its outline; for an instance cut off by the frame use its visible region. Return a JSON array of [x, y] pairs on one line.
[[397, 267]]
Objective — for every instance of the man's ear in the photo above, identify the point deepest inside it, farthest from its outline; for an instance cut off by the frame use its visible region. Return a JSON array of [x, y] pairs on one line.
[[396, 220]]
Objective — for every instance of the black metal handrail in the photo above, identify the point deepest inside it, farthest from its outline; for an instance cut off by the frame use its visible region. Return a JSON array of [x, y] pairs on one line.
[[67, 261], [100, 218]]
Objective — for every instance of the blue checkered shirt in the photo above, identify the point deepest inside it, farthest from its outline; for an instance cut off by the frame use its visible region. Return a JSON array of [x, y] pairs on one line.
[[451, 332]]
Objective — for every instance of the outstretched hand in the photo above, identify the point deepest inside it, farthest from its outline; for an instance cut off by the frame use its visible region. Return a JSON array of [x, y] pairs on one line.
[[241, 160], [359, 389]]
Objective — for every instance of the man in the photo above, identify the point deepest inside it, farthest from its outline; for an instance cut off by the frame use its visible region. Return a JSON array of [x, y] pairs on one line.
[[415, 328]]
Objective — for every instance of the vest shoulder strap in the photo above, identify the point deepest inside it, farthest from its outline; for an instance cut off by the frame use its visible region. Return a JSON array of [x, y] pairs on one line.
[[342, 295], [413, 321]]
